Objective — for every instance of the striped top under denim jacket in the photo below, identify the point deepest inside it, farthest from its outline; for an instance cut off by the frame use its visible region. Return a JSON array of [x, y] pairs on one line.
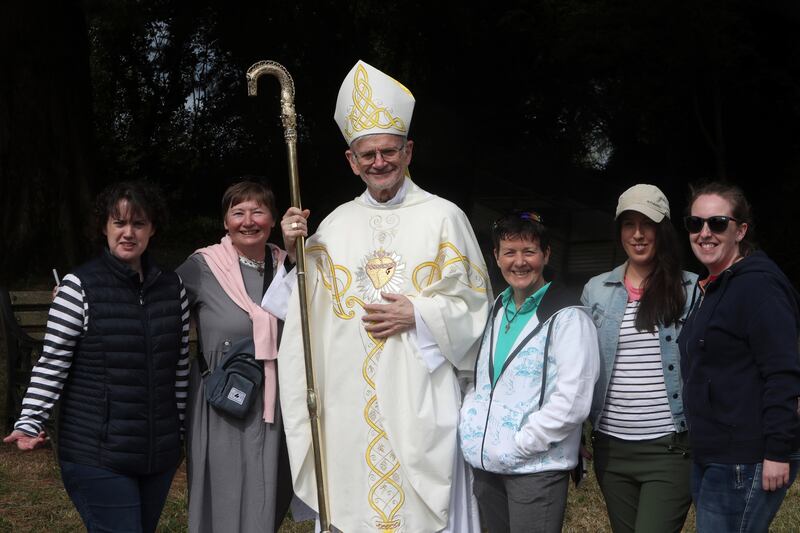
[[502, 429], [607, 297]]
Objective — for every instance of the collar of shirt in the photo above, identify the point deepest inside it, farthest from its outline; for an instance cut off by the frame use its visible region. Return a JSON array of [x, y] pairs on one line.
[[397, 199], [529, 305], [703, 283], [512, 323], [634, 293]]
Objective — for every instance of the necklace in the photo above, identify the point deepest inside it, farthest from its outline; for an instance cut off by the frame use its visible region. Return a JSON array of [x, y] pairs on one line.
[[510, 320], [258, 265]]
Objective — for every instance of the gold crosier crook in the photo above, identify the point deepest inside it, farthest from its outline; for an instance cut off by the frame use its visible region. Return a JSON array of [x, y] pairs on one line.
[[289, 120]]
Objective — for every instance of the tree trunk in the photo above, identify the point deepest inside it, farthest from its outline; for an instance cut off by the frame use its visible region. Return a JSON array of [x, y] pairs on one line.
[[45, 138]]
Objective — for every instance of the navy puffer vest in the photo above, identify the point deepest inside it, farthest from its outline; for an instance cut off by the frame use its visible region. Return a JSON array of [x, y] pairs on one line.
[[118, 407]]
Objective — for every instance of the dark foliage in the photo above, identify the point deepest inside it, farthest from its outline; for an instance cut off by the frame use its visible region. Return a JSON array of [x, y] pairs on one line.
[[568, 98]]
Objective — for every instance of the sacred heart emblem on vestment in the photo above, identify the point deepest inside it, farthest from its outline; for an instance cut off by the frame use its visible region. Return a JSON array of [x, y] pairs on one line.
[[380, 271]]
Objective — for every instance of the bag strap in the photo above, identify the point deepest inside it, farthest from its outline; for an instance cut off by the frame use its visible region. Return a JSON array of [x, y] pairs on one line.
[[203, 365]]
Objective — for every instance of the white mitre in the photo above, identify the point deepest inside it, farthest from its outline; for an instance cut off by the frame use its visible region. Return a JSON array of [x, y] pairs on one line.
[[371, 102]]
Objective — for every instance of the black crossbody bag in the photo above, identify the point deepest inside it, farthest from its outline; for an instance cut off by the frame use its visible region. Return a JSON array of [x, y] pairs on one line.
[[233, 386]]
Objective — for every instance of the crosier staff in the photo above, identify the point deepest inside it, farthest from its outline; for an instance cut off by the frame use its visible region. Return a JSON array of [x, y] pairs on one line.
[[289, 120]]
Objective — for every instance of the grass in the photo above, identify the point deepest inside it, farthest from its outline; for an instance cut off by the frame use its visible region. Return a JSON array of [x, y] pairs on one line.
[[32, 498]]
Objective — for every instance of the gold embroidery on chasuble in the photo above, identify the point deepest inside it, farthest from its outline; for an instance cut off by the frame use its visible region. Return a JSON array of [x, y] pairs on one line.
[[386, 495], [335, 278], [367, 112], [384, 270], [385, 484], [449, 260]]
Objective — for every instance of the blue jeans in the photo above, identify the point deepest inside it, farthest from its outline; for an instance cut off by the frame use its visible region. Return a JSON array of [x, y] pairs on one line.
[[729, 497], [108, 501]]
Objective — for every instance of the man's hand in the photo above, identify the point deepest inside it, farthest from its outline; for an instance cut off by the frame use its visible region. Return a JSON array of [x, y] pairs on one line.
[[25, 442], [385, 320], [293, 225], [774, 475]]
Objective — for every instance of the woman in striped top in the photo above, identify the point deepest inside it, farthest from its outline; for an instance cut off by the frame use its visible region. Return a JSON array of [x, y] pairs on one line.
[[640, 440], [116, 354]]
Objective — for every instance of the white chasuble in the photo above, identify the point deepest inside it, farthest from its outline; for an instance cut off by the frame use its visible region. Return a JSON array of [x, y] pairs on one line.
[[388, 423]]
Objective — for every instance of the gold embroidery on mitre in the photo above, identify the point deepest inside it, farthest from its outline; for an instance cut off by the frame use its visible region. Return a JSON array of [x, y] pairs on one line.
[[368, 113], [380, 271]]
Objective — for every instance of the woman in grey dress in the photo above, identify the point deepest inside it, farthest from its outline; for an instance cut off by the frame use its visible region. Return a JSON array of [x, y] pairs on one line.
[[238, 477]]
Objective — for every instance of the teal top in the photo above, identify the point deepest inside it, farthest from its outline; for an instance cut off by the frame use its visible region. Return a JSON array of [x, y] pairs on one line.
[[513, 323]]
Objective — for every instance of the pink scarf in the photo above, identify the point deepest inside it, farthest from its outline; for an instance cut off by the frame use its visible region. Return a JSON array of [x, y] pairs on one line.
[[223, 260]]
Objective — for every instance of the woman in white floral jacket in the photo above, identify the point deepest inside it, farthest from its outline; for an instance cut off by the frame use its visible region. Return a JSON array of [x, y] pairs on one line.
[[521, 422]]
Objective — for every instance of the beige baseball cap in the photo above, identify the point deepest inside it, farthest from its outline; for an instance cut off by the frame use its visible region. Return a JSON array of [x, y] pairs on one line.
[[647, 200]]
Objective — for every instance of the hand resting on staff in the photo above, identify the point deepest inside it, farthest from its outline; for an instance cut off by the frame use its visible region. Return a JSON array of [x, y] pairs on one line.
[[293, 225]]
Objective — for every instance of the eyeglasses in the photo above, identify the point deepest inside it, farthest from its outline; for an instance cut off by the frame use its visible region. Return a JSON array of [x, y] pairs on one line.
[[388, 154], [716, 224]]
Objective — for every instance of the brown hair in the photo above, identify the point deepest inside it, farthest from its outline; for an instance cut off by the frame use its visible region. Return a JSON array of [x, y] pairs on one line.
[[523, 225], [248, 190], [144, 198], [740, 208]]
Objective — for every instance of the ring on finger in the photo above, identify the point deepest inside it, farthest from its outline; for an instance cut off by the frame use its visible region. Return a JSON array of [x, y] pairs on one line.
[[294, 225]]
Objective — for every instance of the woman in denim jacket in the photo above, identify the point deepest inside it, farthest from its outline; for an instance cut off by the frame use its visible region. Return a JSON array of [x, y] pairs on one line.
[[640, 440]]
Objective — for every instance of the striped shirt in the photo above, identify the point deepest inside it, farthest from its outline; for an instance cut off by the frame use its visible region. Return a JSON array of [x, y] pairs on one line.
[[67, 322], [636, 406]]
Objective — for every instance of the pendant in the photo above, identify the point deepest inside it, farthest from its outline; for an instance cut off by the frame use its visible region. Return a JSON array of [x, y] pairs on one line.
[[508, 326]]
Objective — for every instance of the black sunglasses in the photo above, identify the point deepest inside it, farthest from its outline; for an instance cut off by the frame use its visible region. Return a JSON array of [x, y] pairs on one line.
[[717, 224]]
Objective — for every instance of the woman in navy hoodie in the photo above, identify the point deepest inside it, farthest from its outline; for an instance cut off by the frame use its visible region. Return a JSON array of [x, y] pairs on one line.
[[741, 370]]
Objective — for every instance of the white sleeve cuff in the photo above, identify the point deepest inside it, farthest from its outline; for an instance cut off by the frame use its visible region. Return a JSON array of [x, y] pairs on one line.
[[426, 344], [276, 299]]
